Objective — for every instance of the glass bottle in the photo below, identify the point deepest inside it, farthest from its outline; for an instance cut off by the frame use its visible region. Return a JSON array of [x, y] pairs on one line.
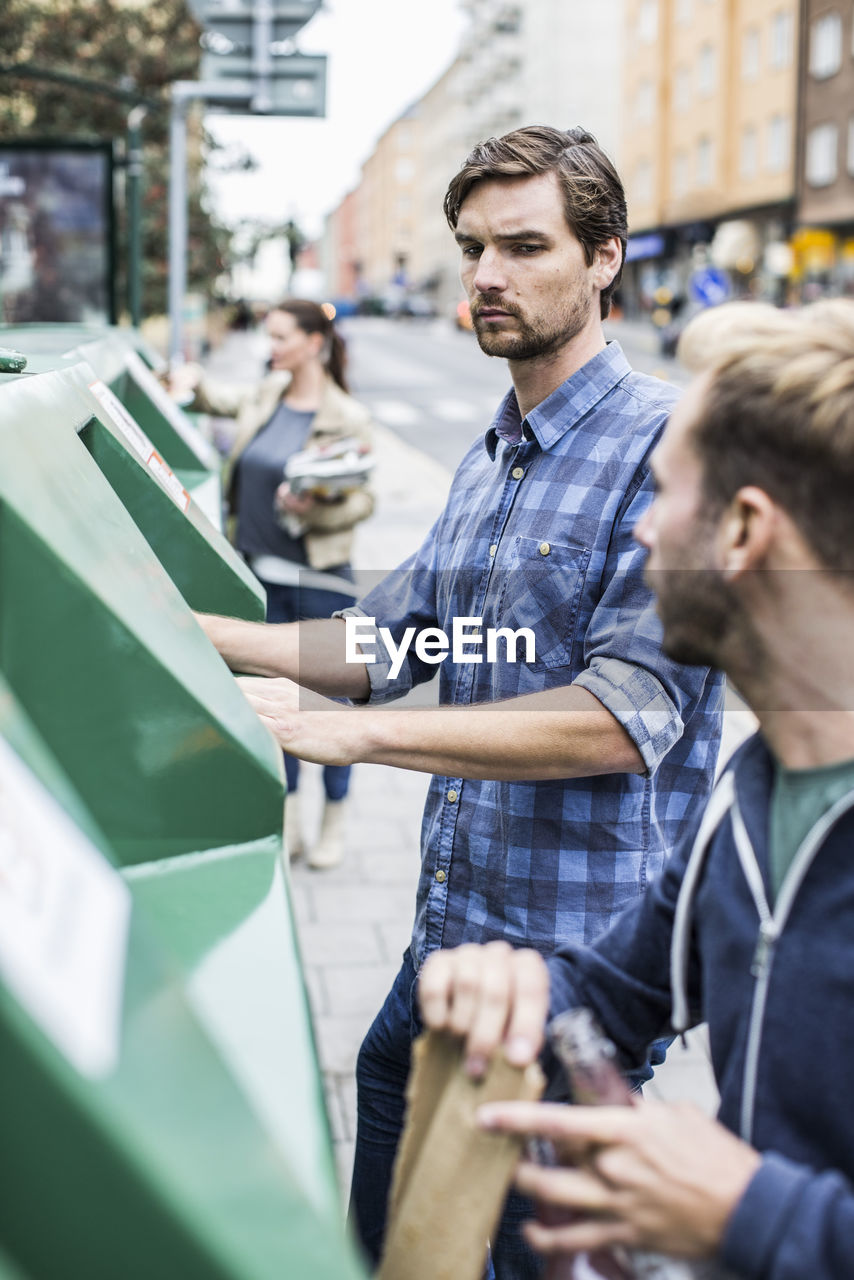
[[589, 1060]]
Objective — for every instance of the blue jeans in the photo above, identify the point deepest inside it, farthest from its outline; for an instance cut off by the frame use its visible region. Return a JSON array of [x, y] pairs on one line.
[[382, 1069], [293, 604]]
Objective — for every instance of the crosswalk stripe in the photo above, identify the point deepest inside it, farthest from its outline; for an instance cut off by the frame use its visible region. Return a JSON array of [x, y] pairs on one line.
[[454, 410], [401, 413], [396, 413]]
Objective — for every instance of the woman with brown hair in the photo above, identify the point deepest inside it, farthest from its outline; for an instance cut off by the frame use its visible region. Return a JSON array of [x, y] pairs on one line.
[[297, 544]]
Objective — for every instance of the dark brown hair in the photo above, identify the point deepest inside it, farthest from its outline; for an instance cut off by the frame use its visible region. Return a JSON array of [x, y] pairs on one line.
[[593, 198], [311, 318]]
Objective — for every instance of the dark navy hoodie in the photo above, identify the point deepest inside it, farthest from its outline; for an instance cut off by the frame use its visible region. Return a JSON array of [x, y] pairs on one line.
[[776, 988]]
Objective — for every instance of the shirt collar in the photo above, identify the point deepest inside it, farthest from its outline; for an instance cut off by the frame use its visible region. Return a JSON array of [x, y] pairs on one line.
[[566, 405]]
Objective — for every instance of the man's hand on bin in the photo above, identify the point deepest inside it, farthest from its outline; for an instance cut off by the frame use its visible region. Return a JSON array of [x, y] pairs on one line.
[[492, 995], [303, 723]]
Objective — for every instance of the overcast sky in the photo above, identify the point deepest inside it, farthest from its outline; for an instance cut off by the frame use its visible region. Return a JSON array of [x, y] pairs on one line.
[[383, 55]]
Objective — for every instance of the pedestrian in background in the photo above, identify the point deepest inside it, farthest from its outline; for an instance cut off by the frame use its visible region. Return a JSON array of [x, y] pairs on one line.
[[297, 544]]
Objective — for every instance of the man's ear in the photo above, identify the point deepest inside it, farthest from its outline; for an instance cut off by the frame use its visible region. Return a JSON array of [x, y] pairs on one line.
[[746, 532], [608, 260]]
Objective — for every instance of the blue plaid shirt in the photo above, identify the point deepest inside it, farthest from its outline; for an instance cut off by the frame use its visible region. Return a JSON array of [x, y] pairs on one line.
[[537, 533]]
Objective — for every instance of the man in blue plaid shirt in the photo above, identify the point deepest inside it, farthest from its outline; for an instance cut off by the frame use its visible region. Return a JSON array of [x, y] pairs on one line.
[[561, 782]]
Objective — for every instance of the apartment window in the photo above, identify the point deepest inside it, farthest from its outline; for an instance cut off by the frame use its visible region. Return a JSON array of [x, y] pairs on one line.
[[508, 20], [682, 89], [750, 54], [648, 22], [826, 46], [707, 70], [684, 12], [748, 163], [782, 28], [404, 170], [705, 162], [645, 102], [850, 164], [821, 161], [777, 149], [679, 181], [643, 182]]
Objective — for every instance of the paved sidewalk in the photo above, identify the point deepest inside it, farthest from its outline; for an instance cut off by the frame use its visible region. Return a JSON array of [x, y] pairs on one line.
[[355, 921]]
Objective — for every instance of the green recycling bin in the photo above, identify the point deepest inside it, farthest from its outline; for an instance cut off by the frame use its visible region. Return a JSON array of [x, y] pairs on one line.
[[122, 359], [210, 574], [128, 1145], [169, 1120]]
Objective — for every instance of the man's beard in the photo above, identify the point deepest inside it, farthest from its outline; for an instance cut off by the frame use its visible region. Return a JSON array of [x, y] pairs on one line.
[[699, 613], [527, 340]]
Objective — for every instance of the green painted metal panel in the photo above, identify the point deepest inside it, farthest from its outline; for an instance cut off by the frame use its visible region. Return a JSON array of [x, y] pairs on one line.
[[44, 344], [124, 361], [157, 1163], [154, 733], [163, 421], [241, 958], [10, 1270], [206, 569], [203, 1151]]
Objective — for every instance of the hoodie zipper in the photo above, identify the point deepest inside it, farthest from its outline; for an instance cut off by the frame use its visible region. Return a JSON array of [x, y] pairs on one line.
[[771, 925]]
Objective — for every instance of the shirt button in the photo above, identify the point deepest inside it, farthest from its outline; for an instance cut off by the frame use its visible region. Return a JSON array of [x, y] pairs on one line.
[[517, 473], [441, 877], [452, 797], [544, 548], [493, 548]]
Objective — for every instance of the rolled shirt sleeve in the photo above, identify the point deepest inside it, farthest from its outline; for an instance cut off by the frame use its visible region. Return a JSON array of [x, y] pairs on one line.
[[651, 696]]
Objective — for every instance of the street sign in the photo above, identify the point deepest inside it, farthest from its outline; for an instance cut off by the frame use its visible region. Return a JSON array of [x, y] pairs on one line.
[[294, 85], [710, 286], [249, 66], [233, 20]]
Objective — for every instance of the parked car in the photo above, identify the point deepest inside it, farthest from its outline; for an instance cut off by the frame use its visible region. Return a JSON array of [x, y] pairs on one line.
[[462, 316]]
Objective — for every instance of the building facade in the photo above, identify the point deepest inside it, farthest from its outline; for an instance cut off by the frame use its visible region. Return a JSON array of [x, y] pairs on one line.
[[708, 148], [731, 123], [823, 244], [541, 61]]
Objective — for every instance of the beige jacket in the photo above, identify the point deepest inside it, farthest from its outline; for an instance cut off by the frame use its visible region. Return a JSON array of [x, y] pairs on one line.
[[329, 525]]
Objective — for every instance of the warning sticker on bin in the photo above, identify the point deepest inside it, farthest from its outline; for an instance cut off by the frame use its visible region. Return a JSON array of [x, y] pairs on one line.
[[64, 922], [119, 416], [140, 443], [169, 480]]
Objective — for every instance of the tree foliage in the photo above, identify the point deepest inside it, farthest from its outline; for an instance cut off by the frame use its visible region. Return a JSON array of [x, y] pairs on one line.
[[140, 45]]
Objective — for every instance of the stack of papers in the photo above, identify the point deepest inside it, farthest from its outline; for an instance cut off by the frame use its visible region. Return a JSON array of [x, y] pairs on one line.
[[330, 470]]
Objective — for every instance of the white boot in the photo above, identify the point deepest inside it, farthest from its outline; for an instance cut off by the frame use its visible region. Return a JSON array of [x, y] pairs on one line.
[[329, 850], [294, 843]]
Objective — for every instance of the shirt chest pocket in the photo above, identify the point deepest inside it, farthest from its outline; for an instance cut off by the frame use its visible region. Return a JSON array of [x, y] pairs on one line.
[[540, 588]]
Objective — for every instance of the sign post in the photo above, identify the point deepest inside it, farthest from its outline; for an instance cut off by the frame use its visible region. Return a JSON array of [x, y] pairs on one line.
[[249, 67]]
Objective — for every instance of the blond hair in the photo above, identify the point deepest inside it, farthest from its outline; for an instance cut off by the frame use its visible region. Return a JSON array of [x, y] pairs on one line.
[[711, 333], [779, 414]]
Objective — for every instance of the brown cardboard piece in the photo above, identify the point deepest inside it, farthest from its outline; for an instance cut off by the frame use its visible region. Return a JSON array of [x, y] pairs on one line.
[[450, 1178]]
